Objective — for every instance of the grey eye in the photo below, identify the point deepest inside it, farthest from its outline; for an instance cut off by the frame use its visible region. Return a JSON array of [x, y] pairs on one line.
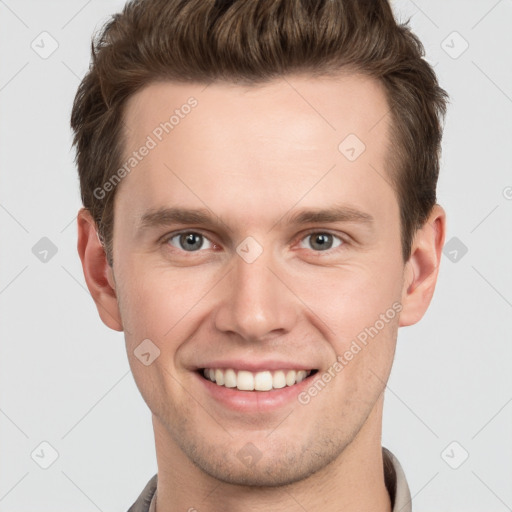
[[189, 241], [323, 241]]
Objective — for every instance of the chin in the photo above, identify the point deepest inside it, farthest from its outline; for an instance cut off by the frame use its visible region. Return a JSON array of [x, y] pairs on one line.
[[274, 467]]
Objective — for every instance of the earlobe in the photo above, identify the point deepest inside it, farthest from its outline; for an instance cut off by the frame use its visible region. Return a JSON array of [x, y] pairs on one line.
[[98, 274], [422, 269]]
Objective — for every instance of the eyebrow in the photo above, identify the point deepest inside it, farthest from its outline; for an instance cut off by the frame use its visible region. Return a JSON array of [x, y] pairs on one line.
[[155, 218], [334, 214]]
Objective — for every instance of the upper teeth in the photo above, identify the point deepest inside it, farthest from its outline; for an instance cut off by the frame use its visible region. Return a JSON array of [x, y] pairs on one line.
[[259, 381]]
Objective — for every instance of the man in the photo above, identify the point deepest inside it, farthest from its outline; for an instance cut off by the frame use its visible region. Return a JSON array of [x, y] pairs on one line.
[[260, 217]]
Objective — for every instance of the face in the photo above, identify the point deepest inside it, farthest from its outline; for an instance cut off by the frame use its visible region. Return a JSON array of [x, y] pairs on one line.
[[256, 284]]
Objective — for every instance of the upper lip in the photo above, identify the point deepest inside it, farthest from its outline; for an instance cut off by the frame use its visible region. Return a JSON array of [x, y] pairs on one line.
[[256, 366]]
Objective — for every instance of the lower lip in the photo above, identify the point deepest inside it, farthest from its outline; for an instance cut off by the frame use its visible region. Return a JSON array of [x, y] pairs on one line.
[[255, 401]]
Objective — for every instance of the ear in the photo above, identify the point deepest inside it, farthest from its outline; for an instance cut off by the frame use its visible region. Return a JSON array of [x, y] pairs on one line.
[[97, 272], [422, 268]]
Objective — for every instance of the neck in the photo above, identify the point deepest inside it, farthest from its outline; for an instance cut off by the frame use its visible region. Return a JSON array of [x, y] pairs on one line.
[[354, 482]]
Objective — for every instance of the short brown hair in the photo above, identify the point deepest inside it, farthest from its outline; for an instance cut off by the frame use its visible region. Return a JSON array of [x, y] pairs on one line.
[[250, 42]]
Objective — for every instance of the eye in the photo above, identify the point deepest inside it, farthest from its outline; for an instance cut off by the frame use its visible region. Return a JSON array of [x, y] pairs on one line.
[[189, 241], [321, 241], [192, 241]]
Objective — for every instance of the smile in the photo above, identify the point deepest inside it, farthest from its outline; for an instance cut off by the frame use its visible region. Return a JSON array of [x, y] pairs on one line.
[[245, 380]]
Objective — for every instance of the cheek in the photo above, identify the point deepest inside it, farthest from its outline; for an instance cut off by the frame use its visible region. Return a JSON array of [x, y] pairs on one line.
[[163, 306], [158, 306], [350, 299], [359, 308]]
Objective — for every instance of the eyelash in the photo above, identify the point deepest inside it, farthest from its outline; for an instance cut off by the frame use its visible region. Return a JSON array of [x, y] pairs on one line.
[[343, 240]]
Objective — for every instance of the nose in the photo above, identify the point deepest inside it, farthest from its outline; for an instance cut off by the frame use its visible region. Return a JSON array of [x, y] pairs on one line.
[[256, 301]]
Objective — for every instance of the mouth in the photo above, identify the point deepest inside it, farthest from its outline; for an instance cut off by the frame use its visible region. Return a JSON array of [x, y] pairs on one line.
[[266, 380]]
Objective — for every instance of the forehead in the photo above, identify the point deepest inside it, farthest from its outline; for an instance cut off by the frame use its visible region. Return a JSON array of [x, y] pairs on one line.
[[253, 145], [328, 106]]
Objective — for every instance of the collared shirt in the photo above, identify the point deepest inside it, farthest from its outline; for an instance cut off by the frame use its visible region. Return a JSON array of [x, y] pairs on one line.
[[394, 478]]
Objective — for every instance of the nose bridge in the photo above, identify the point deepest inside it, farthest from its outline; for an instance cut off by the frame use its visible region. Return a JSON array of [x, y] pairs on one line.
[[257, 302]]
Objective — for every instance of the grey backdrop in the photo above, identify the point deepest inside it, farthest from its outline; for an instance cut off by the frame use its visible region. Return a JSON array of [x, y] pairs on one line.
[[64, 377]]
